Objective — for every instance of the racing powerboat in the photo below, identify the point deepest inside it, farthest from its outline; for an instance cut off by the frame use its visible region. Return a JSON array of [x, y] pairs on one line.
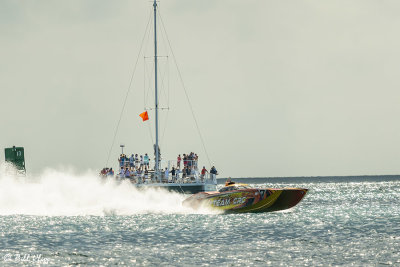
[[241, 198]]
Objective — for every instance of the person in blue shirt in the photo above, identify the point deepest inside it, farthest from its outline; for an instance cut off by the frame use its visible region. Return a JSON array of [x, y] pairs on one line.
[[213, 173], [122, 160], [146, 161], [122, 172], [127, 173], [131, 161]]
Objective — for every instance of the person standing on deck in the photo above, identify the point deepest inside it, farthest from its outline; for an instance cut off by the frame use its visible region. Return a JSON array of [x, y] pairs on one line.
[[183, 172], [190, 160], [214, 173], [121, 160], [146, 160], [178, 162], [184, 160], [136, 161], [122, 172], [173, 172], [203, 173], [141, 162], [131, 160], [166, 174], [127, 173]]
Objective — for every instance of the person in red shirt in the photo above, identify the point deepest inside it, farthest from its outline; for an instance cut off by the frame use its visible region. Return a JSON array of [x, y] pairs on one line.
[[203, 173]]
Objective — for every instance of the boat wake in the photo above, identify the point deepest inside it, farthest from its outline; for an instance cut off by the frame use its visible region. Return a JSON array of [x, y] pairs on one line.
[[66, 193]]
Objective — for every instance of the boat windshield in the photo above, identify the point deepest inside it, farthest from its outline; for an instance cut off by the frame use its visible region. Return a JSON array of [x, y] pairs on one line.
[[233, 188]]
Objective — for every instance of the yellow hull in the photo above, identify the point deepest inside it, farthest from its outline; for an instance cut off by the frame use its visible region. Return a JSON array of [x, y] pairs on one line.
[[249, 200]]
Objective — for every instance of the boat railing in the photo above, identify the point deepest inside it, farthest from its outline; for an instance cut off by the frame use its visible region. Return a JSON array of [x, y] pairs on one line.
[[178, 178], [180, 175], [166, 163]]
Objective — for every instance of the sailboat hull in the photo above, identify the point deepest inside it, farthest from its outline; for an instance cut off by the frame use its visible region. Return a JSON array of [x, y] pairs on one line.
[[188, 188]]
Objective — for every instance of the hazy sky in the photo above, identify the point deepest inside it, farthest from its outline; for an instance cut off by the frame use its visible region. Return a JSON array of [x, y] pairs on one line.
[[279, 88]]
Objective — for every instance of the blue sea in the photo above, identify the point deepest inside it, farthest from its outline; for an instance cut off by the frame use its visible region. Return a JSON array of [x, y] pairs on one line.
[[60, 219]]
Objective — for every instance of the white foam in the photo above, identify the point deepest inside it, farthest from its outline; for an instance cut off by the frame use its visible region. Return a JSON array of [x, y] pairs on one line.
[[66, 193]]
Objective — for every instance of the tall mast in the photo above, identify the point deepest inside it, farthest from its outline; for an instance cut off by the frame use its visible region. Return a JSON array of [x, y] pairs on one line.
[[156, 166]]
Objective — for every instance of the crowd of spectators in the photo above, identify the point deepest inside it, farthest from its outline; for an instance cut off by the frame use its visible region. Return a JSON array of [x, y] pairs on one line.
[[137, 169]]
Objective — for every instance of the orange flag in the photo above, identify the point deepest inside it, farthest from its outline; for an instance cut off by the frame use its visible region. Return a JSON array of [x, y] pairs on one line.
[[144, 116]]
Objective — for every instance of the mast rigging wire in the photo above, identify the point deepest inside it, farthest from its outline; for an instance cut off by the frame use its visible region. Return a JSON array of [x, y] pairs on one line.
[[184, 89], [181, 80], [127, 92]]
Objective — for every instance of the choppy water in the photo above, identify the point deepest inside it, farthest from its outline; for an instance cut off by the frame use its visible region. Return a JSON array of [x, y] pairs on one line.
[[61, 218]]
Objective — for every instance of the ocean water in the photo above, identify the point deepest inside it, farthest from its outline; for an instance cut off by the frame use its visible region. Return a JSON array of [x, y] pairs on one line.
[[61, 218]]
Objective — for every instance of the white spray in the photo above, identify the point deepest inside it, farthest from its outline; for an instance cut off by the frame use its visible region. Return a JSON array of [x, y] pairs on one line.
[[65, 193]]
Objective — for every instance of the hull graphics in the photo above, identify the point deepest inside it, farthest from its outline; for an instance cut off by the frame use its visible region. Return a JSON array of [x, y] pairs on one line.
[[249, 200]]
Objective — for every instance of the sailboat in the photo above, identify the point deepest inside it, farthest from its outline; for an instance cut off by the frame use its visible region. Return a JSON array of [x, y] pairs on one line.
[[231, 198], [189, 182]]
